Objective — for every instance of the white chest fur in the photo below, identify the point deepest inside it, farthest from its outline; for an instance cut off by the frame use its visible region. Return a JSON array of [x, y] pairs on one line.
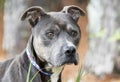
[[56, 73]]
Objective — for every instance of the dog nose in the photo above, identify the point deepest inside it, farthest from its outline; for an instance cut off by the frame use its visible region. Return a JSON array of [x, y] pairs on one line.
[[70, 51]]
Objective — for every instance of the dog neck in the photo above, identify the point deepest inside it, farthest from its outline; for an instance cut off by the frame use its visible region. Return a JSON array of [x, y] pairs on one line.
[[46, 70]]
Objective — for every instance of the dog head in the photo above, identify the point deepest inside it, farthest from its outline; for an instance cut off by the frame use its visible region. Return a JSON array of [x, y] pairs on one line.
[[56, 35]]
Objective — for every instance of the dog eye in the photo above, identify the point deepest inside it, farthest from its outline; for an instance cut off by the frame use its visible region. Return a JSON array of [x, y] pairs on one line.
[[73, 33], [50, 35]]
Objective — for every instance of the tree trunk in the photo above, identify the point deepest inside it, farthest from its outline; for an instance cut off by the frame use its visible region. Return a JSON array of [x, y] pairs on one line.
[[104, 36]]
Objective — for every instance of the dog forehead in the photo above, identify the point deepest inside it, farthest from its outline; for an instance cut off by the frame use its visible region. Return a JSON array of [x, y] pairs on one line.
[[57, 19], [62, 19]]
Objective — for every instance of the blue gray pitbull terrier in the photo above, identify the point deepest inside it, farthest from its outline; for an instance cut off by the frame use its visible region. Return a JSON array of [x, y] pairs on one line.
[[53, 43]]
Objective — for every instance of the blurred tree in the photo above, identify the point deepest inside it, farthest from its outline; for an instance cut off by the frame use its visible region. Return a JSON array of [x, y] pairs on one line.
[[103, 56], [1, 4], [16, 33]]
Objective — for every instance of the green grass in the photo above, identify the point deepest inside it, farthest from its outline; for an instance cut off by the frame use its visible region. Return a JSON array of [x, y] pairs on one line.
[[34, 76], [81, 74], [28, 75]]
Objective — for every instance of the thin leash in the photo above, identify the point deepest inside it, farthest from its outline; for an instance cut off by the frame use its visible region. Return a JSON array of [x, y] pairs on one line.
[[32, 60]]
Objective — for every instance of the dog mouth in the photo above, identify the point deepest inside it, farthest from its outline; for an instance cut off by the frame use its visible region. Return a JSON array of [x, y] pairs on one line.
[[72, 61], [67, 62], [76, 63], [63, 59]]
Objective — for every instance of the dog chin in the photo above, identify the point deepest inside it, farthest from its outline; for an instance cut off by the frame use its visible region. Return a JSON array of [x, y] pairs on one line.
[[66, 63], [71, 61], [74, 62]]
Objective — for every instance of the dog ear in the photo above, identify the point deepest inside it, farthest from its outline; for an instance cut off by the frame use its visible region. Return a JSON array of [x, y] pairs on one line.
[[33, 14], [74, 11]]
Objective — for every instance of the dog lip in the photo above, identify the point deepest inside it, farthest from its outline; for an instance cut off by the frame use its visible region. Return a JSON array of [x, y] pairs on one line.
[[76, 63], [72, 60], [67, 63]]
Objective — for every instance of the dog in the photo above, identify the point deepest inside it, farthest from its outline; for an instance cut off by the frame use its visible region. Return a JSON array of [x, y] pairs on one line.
[[53, 43]]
